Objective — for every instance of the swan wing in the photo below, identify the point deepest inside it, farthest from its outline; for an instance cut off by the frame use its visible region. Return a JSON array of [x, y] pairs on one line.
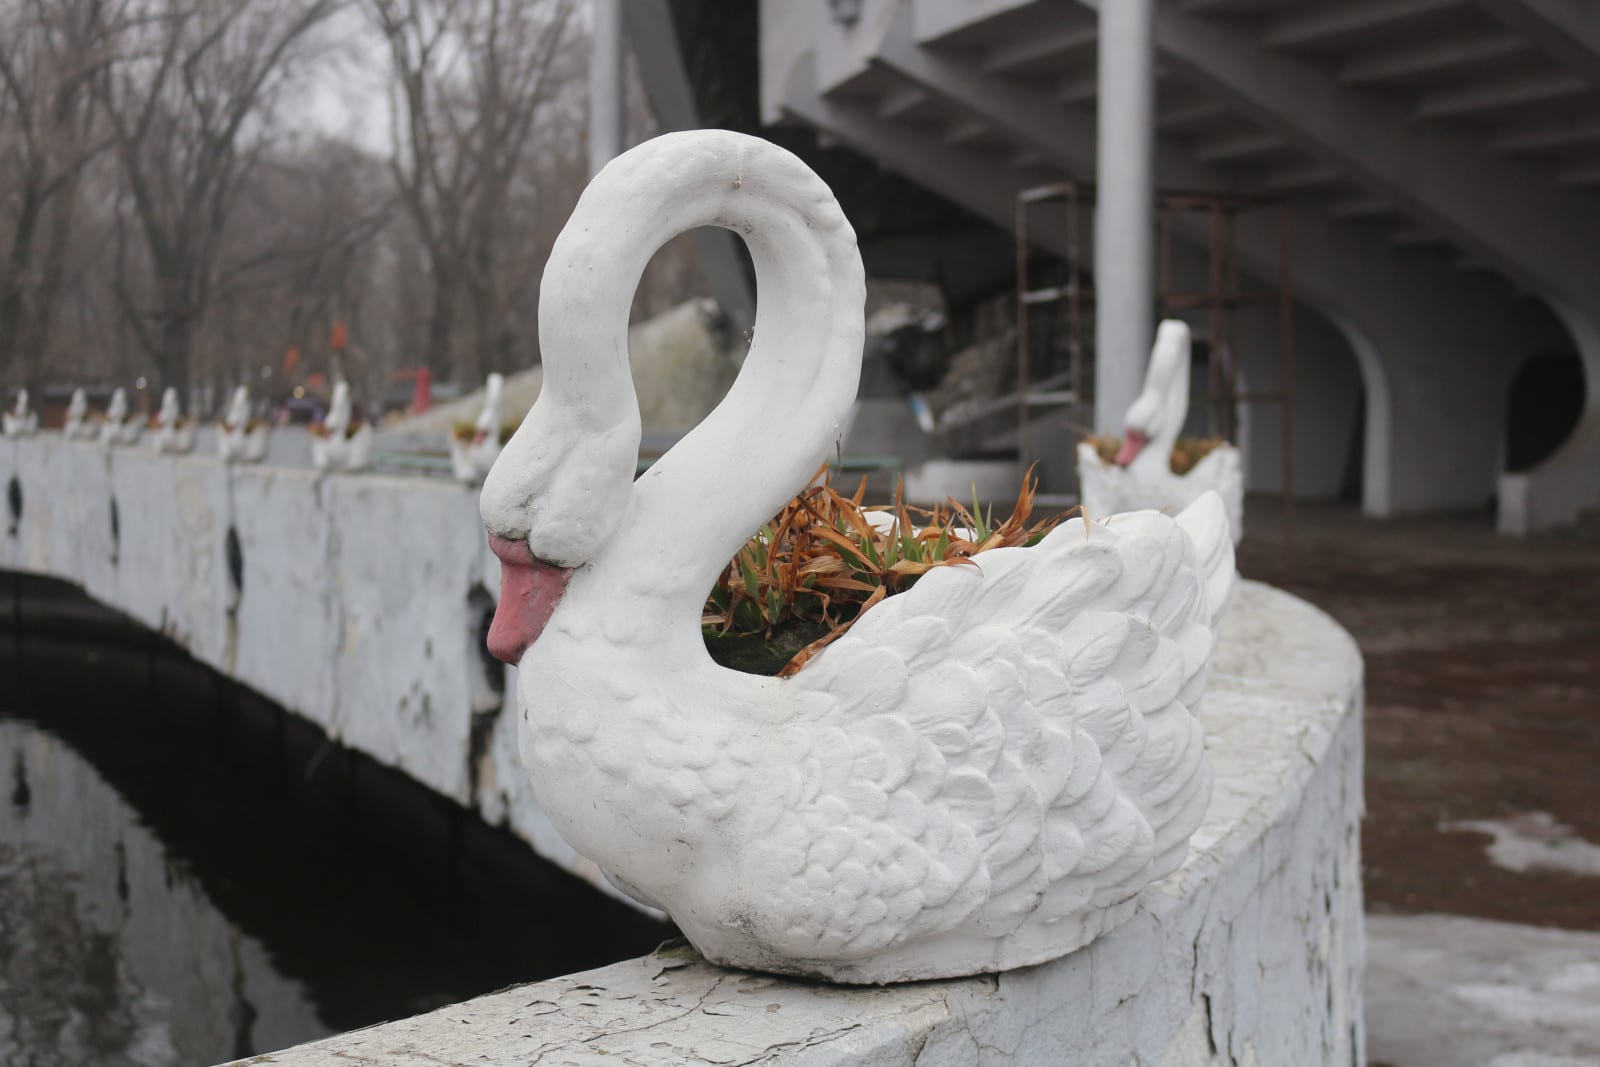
[[1222, 469], [1011, 741]]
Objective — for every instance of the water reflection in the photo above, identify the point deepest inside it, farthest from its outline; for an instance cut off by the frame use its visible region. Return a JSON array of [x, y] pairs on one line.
[[109, 953], [170, 894]]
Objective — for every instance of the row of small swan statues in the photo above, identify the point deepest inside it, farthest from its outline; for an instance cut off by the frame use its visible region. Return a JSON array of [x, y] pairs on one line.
[[341, 442], [241, 437], [1141, 476]]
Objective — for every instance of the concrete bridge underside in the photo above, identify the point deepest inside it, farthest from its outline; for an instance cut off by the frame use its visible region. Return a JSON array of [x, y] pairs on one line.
[[1439, 157]]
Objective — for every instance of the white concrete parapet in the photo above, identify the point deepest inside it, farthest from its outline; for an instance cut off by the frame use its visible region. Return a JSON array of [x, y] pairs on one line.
[[1252, 954], [361, 604]]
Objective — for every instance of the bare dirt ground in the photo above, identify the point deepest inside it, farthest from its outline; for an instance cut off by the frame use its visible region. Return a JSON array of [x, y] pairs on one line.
[[1483, 702]]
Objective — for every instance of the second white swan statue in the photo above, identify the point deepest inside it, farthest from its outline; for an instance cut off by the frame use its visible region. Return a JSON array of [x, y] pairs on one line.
[[338, 448], [170, 432], [119, 428], [239, 438], [470, 460], [77, 424], [1141, 475], [982, 774], [20, 421]]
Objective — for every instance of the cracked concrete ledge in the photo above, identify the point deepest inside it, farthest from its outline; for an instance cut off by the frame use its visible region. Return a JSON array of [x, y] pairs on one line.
[[356, 612], [1251, 954]]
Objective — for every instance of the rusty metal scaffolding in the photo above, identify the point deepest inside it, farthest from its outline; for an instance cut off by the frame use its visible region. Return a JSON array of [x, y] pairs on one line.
[[1222, 298]]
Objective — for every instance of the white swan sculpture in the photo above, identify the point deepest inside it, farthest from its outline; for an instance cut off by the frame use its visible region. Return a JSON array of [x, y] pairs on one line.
[[77, 424], [981, 774], [471, 460], [338, 449], [170, 432], [118, 428], [1141, 475], [238, 439], [21, 420]]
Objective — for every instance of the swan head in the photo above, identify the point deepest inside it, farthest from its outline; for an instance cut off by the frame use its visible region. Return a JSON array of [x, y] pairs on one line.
[[169, 407], [22, 402], [554, 497], [1158, 412], [79, 405], [117, 409]]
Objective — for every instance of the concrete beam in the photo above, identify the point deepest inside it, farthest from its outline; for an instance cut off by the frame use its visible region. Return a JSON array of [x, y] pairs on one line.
[[1511, 214], [970, 179], [1043, 53], [1551, 135], [1488, 96], [1450, 55], [1567, 30], [1326, 25]]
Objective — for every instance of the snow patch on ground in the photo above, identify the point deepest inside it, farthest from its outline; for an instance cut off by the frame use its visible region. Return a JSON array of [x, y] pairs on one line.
[[1533, 840], [1448, 991]]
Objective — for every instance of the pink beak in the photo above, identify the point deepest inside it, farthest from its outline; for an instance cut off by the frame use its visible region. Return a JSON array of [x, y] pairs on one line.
[[1132, 444], [529, 593]]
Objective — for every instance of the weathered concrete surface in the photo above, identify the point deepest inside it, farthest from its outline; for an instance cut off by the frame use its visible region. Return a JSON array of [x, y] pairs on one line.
[[1448, 991], [1251, 954]]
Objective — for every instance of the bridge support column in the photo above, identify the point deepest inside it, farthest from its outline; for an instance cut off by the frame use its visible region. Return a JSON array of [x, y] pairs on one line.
[[1124, 225], [606, 116]]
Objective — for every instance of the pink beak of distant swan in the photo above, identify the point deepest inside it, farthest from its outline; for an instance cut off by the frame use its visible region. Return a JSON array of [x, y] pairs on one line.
[[1133, 443], [529, 592]]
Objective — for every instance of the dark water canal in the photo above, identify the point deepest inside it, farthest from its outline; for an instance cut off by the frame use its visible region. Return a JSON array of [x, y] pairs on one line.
[[183, 882]]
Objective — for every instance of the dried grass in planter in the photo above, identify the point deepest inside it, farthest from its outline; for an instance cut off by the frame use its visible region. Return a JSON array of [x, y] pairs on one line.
[[807, 575], [1186, 453]]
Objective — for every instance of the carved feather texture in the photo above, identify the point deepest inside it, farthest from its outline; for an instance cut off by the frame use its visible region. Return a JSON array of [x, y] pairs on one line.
[[1004, 744]]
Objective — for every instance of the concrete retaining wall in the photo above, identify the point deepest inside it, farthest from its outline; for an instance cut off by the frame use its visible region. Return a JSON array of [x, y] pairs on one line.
[[360, 606]]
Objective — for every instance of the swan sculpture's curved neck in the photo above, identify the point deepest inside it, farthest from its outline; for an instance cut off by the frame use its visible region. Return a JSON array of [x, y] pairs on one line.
[[673, 530], [490, 418], [1163, 405]]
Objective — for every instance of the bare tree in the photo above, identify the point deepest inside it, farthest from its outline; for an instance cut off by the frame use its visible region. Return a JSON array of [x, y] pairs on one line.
[[471, 78], [50, 53], [300, 257], [190, 106]]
